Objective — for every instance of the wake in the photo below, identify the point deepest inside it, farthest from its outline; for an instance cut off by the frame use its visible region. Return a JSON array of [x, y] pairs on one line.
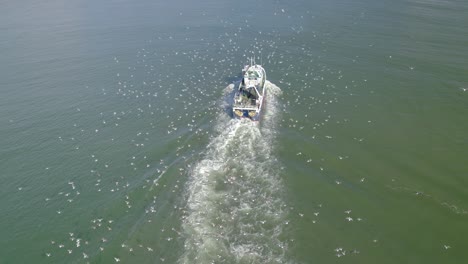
[[236, 212]]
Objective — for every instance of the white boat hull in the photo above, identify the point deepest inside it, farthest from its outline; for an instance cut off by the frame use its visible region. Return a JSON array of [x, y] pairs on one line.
[[249, 97]]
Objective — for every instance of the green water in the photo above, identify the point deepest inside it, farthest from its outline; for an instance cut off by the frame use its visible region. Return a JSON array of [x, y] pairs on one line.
[[117, 146]]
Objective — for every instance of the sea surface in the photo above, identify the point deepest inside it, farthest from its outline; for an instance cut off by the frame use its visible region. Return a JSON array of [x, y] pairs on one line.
[[117, 144]]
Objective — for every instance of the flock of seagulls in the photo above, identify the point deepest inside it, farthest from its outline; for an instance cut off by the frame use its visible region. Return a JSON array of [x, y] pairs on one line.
[[175, 101], [173, 96]]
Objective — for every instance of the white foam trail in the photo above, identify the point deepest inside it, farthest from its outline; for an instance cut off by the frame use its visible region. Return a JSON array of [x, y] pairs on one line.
[[236, 212]]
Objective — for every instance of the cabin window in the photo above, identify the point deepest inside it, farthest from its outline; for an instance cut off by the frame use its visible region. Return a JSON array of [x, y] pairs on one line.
[[252, 74]]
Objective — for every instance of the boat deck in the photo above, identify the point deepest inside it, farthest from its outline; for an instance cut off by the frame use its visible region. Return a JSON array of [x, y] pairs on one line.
[[246, 103]]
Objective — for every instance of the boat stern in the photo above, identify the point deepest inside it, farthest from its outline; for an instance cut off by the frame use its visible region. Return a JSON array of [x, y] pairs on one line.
[[251, 114]]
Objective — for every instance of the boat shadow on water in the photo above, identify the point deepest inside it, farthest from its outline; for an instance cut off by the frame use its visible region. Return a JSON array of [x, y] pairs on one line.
[[233, 79], [228, 96]]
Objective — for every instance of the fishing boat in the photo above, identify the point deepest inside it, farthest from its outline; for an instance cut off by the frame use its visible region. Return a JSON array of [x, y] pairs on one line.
[[249, 97]]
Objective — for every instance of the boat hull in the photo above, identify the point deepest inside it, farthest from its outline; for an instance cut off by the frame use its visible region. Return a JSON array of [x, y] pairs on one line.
[[250, 95]]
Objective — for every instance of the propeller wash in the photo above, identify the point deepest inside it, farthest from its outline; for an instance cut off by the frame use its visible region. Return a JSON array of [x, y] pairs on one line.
[[235, 208]]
